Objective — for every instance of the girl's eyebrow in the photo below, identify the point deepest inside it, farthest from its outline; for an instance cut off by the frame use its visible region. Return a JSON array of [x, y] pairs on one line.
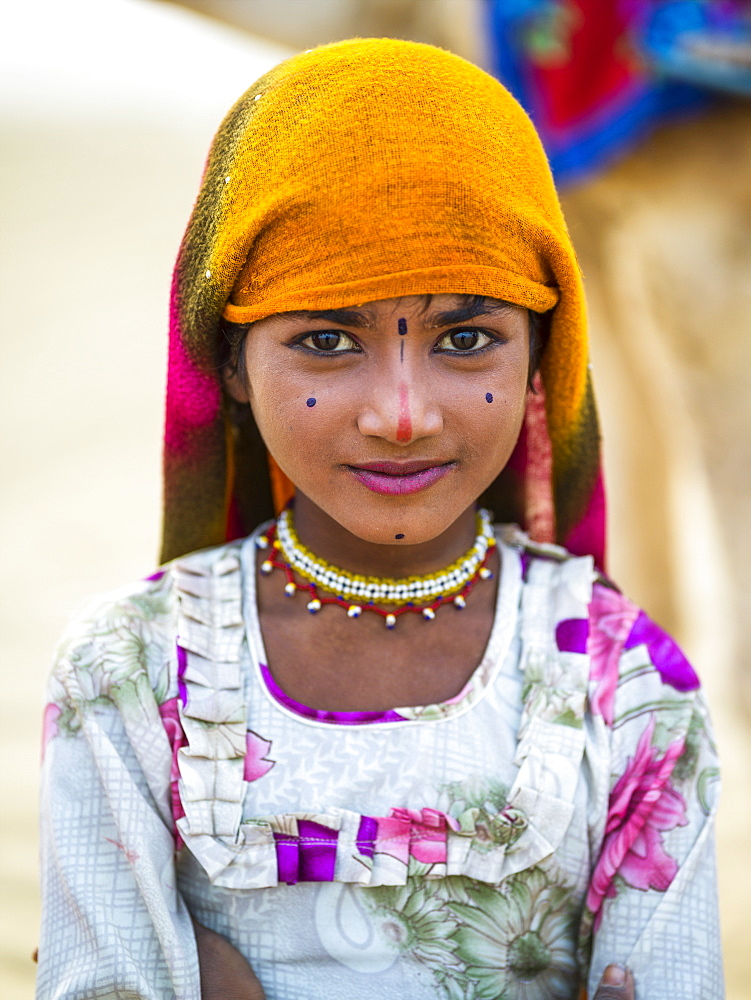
[[343, 317], [461, 314]]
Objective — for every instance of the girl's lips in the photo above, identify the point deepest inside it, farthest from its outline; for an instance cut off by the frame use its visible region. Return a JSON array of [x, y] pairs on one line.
[[394, 478]]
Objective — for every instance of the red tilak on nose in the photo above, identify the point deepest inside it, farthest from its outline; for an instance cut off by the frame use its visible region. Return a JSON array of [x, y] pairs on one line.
[[404, 427]]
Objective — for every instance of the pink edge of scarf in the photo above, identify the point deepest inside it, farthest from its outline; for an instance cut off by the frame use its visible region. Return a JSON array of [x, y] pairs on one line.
[[194, 397]]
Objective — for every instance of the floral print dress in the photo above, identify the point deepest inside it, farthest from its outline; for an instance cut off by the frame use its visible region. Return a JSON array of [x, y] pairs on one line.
[[555, 816]]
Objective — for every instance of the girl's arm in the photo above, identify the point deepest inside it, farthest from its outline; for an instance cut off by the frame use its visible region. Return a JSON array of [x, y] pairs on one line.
[[113, 920], [225, 973], [652, 900]]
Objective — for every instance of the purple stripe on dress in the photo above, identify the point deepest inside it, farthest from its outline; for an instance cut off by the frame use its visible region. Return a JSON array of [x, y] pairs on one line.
[[571, 635], [182, 664], [155, 576], [335, 718], [309, 857], [287, 858], [317, 851], [664, 653], [366, 836]]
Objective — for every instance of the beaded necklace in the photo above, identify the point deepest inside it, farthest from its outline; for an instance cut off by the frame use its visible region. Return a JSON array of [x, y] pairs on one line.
[[414, 594]]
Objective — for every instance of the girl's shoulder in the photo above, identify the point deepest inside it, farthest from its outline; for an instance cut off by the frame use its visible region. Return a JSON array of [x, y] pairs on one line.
[[649, 697], [633, 660], [127, 636], [626, 646]]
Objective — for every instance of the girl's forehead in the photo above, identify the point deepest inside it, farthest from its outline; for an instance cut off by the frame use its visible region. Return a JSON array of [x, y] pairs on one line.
[[439, 309]]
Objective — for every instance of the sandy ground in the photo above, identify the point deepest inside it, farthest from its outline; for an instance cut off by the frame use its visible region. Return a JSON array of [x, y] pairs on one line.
[[108, 107]]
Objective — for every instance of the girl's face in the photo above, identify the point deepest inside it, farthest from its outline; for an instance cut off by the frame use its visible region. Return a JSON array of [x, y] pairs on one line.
[[391, 417]]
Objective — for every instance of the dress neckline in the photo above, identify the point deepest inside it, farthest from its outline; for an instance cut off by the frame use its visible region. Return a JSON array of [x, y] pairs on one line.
[[499, 641]]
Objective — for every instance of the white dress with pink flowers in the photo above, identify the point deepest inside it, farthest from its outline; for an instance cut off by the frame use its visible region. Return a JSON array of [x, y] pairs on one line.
[[555, 816]]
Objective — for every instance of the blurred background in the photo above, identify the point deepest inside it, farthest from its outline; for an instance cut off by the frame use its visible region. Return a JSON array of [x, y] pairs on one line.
[[107, 108]]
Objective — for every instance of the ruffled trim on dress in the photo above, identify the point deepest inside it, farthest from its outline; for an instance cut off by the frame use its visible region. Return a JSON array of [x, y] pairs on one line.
[[344, 846], [212, 709]]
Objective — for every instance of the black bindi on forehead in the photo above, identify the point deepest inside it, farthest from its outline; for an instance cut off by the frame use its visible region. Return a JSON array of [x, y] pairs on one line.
[[402, 327], [398, 536], [311, 401]]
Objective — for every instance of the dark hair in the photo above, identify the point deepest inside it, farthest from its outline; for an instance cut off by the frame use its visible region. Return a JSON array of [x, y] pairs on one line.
[[539, 332], [232, 355]]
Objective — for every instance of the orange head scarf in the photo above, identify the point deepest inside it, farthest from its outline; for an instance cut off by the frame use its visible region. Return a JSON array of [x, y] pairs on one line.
[[358, 171]]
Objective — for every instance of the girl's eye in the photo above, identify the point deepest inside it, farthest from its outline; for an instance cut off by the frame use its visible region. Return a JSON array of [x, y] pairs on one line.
[[464, 341], [329, 342]]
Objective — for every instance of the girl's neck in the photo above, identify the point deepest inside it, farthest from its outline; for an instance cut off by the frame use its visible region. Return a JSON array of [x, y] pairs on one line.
[[330, 541]]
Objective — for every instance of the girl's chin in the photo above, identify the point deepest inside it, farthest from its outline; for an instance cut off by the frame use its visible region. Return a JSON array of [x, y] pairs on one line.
[[412, 517], [398, 526]]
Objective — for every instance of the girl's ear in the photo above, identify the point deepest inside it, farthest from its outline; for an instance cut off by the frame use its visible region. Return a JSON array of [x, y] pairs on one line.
[[235, 384]]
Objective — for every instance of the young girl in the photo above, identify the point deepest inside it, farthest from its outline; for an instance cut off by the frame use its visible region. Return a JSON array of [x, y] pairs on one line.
[[378, 746]]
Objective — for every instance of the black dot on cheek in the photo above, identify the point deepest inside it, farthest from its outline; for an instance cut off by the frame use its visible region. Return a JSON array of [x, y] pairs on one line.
[[488, 397], [310, 402], [398, 536]]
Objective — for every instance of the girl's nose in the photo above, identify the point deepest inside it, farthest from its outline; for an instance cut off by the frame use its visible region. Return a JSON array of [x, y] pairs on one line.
[[401, 410]]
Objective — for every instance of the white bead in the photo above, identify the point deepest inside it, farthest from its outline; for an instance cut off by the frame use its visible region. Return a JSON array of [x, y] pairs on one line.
[[390, 621], [313, 606], [266, 566], [428, 614], [208, 274], [485, 573], [289, 589], [262, 542], [459, 601], [401, 592], [354, 611]]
